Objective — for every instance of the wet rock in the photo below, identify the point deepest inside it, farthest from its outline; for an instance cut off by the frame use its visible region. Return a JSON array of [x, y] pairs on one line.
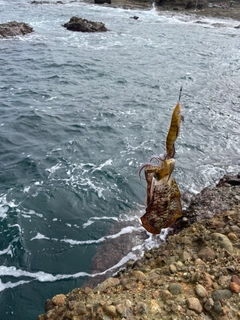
[[102, 1], [14, 28], [233, 180], [201, 291], [83, 25], [175, 288], [223, 241], [194, 304], [46, 2]]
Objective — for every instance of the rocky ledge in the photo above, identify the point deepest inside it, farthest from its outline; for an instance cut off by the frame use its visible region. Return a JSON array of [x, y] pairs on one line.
[[194, 275], [14, 28]]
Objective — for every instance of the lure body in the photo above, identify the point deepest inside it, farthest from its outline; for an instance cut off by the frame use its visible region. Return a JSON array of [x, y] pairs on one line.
[[174, 130]]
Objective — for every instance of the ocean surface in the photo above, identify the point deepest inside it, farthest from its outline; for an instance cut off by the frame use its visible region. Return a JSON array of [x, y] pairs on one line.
[[79, 114]]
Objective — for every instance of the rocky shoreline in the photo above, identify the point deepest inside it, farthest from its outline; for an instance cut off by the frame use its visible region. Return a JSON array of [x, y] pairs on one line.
[[217, 9], [194, 275]]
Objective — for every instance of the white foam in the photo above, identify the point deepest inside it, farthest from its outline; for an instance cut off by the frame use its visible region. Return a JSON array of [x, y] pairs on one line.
[[9, 284], [26, 189], [93, 219], [98, 190], [8, 250], [125, 230], [3, 211], [106, 163], [39, 236], [53, 169]]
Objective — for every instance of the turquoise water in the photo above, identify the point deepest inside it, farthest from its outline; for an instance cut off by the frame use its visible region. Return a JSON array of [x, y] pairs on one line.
[[79, 114]]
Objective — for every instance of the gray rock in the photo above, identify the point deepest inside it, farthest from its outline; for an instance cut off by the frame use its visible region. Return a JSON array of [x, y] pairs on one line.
[[223, 241], [14, 28], [201, 291], [83, 25], [217, 306], [175, 288], [221, 294], [209, 304]]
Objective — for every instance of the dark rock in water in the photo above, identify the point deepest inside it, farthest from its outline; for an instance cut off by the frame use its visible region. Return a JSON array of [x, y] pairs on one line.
[[229, 180], [183, 4], [46, 2], [102, 1], [83, 25], [14, 28]]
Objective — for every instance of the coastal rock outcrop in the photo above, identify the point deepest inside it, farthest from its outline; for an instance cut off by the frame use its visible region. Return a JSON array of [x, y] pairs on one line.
[[195, 274], [14, 28], [83, 25], [183, 4], [102, 1], [210, 201], [46, 2]]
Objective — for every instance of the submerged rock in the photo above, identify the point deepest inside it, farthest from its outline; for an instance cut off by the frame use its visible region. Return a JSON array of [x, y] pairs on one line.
[[102, 1], [14, 28], [83, 25]]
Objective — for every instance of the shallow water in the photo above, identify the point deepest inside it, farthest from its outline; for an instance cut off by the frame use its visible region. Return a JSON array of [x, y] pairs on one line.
[[80, 113]]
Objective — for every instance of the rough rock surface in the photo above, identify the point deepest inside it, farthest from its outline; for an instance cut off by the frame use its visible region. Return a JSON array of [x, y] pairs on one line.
[[183, 4], [46, 2], [194, 275], [216, 8], [14, 28], [83, 25]]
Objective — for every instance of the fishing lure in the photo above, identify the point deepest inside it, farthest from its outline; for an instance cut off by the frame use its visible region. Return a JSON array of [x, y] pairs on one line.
[[174, 128]]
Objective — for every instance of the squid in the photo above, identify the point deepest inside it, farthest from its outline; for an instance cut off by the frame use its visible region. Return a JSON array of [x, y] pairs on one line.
[[163, 195]]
